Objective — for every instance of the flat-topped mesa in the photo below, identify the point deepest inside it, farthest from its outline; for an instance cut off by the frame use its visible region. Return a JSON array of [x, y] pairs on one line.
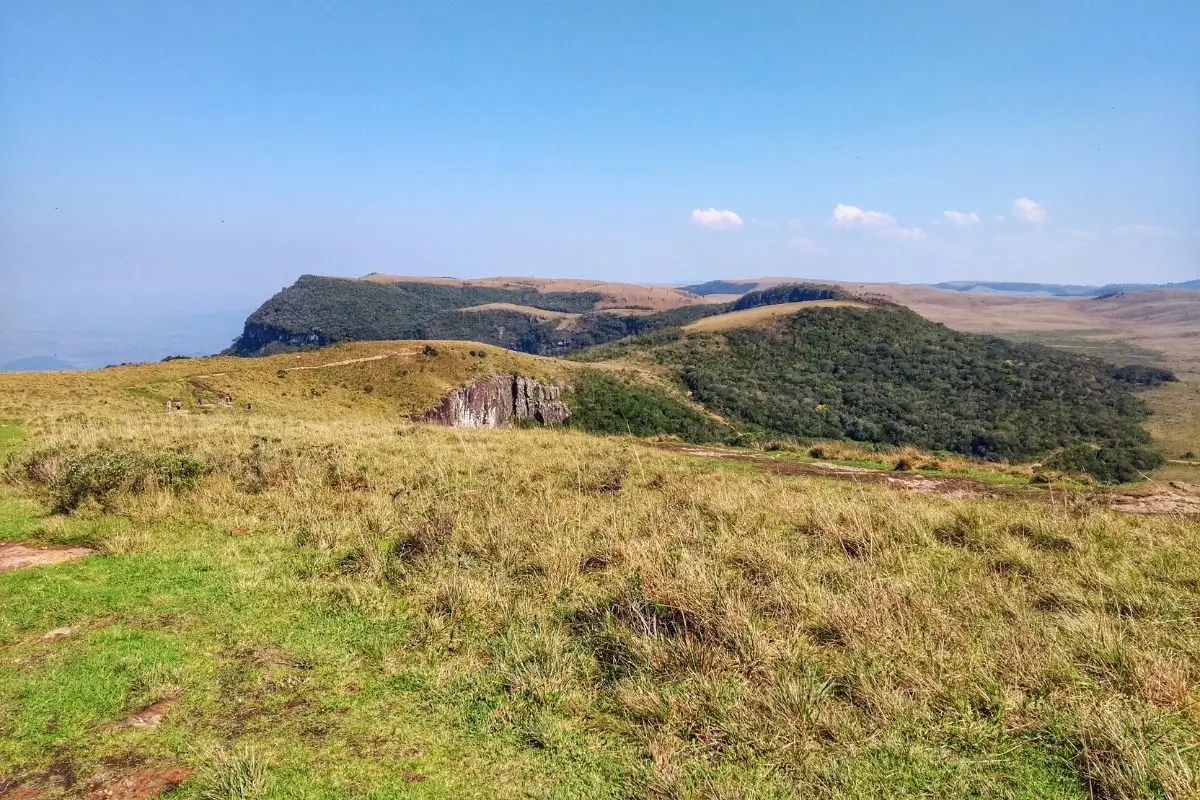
[[498, 401]]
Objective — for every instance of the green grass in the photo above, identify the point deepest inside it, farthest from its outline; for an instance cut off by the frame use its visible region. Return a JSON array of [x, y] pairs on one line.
[[258, 659], [11, 434], [352, 606]]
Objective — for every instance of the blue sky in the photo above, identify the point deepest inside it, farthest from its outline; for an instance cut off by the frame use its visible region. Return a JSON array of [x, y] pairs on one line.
[[195, 157]]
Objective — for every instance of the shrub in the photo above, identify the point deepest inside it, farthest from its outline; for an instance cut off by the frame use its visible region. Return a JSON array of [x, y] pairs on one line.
[[1143, 376], [1107, 464], [605, 404], [102, 474]]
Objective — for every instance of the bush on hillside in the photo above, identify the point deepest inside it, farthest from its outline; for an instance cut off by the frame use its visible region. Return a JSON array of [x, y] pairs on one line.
[[1140, 375], [790, 293], [101, 474], [606, 404], [1108, 464]]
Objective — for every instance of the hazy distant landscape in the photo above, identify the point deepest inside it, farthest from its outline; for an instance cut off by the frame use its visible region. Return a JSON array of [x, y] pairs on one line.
[[612, 401]]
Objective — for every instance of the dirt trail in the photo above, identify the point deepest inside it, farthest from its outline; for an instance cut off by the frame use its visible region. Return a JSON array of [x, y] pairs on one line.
[[347, 361], [19, 556], [379, 357], [1173, 498]]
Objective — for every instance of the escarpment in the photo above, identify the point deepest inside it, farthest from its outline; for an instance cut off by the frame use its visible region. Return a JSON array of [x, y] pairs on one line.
[[499, 400]]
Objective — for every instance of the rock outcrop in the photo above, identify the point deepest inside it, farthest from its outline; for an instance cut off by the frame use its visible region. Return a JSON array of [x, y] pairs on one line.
[[499, 400]]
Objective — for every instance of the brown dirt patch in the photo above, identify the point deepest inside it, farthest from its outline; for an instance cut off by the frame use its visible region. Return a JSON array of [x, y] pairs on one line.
[[19, 556], [149, 717], [21, 793], [56, 634], [142, 785], [1173, 498]]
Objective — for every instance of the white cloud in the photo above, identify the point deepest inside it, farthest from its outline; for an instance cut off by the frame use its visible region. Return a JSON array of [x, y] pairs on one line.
[[1028, 210], [879, 222], [1143, 231], [716, 219], [963, 219]]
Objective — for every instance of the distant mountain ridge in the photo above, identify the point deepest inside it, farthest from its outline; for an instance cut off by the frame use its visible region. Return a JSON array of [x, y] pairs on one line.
[[540, 316], [36, 364], [1061, 289]]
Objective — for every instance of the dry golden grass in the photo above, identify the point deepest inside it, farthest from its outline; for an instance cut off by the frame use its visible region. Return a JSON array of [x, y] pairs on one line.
[[389, 380], [759, 314], [539, 313], [717, 632]]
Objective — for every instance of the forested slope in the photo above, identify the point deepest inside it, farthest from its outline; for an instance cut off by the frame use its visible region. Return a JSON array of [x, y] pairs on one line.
[[888, 375]]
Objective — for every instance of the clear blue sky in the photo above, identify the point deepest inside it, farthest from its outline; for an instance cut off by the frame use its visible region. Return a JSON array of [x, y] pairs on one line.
[[193, 156]]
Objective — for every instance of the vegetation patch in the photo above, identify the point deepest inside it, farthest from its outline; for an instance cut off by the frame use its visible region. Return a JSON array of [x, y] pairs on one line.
[[351, 605], [790, 293], [71, 477], [1140, 375], [604, 403], [886, 375]]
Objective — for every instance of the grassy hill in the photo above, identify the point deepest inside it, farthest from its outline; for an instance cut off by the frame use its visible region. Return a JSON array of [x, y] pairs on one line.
[[521, 315], [325, 600], [884, 374], [1083, 430]]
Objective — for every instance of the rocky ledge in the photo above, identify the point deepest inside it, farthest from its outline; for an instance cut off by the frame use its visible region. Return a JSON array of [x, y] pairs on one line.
[[497, 401]]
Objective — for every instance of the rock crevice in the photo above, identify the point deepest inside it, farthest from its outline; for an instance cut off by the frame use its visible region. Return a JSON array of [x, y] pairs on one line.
[[498, 401]]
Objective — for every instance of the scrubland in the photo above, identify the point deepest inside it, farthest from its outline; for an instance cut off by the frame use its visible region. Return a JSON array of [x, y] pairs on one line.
[[356, 606]]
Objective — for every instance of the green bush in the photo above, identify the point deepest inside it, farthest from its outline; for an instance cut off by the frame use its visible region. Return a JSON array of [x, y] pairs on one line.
[[178, 471], [1108, 464], [603, 403], [104, 473], [790, 293], [1143, 376], [99, 474]]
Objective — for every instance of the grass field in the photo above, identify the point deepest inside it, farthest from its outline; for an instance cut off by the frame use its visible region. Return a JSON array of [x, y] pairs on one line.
[[760, 314], [342, 604]]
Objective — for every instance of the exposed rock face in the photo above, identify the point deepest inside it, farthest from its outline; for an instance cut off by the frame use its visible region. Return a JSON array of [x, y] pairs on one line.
[[257, 335], [499, 400]]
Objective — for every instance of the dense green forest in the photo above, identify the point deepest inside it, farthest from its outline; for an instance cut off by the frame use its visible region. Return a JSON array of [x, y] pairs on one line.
[[887, 375], [604, 403], [317, 311], [720, 287], [790, 293]]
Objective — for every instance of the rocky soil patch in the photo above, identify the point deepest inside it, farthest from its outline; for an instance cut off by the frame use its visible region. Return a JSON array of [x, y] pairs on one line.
[[19, 556]]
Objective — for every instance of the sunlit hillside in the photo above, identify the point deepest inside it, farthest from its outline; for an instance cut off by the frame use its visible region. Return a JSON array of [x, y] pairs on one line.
[[311, 596]]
